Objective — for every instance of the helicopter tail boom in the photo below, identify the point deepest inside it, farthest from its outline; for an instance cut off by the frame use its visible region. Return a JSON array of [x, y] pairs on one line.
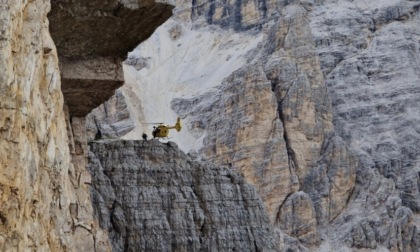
[[177, 125]]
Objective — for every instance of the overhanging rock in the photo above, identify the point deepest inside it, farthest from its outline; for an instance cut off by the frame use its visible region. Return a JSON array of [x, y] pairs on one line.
[[93, 38], [88, 83]]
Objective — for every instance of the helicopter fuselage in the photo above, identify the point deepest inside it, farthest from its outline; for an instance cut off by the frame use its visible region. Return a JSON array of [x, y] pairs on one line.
[[162, 130]]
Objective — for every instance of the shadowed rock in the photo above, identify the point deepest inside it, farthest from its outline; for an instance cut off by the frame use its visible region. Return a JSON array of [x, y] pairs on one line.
[[92, 39]]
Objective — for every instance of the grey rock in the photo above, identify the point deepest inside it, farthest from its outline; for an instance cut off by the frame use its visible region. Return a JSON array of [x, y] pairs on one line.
[[363, 236], [152, 197], [367, 55], [244, 132], [114, 27], [342, 79], [110, 120], [137, 63], [302, 151]]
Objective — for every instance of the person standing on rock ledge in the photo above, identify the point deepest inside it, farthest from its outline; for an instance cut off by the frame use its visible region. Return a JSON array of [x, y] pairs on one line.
[[144, 136]]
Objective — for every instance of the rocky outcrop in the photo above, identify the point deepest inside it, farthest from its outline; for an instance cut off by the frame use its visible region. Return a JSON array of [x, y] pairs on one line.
[[269, 118], [297, 218], [150, 196], [86, 235], [314, 150], [86, 84], [273, 122]]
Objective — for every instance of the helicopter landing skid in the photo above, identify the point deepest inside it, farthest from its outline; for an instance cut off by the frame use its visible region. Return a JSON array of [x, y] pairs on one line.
[[163, 138]]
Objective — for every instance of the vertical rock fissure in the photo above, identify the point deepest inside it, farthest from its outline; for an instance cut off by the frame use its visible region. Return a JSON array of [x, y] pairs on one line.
[[281, 206], [290, 153]]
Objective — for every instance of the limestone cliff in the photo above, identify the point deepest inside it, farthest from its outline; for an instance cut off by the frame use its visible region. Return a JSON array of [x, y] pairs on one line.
[[43, 206], [92, 39], [44, 194], [373, 80], [314, 102]]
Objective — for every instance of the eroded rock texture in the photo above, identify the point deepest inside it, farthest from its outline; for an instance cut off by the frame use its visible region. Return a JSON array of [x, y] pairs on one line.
[[44, 186], [314, 102], [273, 122], [44, 199], [152, 197], [371, 66]]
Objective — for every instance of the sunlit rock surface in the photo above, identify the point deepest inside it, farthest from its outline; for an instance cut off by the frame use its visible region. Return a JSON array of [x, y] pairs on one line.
[[45, 200]]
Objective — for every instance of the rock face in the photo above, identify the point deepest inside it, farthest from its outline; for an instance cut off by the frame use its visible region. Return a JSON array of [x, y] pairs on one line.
[[44, 185], [246, 98], [44, 199], [152, 197], [270, 118], [373, 80], [314, 102]]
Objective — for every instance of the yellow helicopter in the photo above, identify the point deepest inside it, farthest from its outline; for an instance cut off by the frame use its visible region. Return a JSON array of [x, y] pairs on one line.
[[162, 130]]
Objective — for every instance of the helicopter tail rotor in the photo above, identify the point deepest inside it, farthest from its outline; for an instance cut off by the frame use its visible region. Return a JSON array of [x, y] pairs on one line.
[[178, 125]]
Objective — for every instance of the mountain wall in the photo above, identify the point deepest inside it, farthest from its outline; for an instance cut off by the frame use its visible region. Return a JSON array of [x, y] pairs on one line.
[[312, 103], [43, 205], [315, 103]]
